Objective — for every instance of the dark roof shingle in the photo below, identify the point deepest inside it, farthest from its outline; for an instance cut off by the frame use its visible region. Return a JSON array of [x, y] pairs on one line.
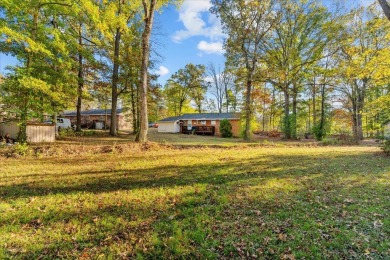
[[93, 112], [203, 116]]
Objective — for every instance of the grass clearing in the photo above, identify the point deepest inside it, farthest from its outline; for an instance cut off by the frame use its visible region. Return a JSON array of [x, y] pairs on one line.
[[227, 202]]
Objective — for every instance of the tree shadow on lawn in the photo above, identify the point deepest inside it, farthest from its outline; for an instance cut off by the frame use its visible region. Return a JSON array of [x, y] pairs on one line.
[[207, 224], [226, 217], [249, 170]]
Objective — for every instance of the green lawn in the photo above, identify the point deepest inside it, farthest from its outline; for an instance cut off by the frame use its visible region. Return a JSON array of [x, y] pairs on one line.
[[177, 140], [227, 202]]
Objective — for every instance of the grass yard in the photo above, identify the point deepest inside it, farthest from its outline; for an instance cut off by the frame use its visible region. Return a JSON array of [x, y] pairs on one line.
[[227, 202], [154, 136], [177, 140]]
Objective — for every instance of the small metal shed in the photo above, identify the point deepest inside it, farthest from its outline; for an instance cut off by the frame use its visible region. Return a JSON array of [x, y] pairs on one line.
[[36, 132]]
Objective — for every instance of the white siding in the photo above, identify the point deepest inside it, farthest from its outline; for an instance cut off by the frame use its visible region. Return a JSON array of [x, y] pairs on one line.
[[41, 133], [168, 127], [36, 133], [177, 127], [11, 128]]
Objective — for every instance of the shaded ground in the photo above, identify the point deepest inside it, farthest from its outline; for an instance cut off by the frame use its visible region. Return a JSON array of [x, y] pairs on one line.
[[175, 139], [240, 202]]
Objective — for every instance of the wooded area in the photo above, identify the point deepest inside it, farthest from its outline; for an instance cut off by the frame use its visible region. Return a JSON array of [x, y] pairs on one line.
[[296, 67]]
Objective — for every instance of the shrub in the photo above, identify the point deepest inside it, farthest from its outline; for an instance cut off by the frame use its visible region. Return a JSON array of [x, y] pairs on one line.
[[340, 141], [289, 127], [386, 147], [225, 128], [21, 149], [66, 132], [69, 132], [320, 132]]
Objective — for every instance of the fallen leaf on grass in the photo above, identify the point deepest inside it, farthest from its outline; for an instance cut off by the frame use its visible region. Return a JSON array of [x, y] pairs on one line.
[[378, 224], [288, 257], [282, 237]]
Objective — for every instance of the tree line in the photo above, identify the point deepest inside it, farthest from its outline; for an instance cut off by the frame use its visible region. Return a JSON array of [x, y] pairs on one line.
[[72, 51], [297, 66], [290, 64]]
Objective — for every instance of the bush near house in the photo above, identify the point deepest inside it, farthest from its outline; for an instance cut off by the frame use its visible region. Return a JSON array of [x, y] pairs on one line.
[[225, 128]]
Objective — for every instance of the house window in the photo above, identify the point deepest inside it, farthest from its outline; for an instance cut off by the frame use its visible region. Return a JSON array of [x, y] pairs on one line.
[[203, 122], [213, 122], [195, 122]]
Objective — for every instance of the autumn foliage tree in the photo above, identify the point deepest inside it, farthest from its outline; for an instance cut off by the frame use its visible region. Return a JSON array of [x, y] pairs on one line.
[[247, 24], [364, 63]]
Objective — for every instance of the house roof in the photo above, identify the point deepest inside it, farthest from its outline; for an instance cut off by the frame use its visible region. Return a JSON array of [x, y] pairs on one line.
[[94, 112], [202, 116]]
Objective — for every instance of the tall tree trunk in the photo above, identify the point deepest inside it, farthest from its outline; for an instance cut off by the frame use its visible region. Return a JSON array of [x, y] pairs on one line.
[[357, 126], [199, 108], [357, 122], [133, 110], [286, 123], [386, 8], [358, 106], [227, 99], [80, 85], [137, 108], [322, 119], [114, 87], [293, 125], [265, 89], [55, 123], [271, 117], [105, 115], [309, 123], [248, 108], [148, 23], [22, 135], [314, 103]]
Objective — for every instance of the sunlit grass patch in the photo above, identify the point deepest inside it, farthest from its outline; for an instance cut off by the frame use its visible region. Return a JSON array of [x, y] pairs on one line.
[[245, 201]]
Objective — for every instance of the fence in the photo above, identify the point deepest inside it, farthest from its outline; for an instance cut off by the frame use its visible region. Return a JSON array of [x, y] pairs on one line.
[[36, 132]]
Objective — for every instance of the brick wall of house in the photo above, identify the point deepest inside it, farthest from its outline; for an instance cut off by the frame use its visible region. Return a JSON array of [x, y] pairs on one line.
[[235, 125]]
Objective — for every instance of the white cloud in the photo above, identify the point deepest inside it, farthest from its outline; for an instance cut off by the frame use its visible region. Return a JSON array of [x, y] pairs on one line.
[[162, 71], [211, 48], [190, 14]]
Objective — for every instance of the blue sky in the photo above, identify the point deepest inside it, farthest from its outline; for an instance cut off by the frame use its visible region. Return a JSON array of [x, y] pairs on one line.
[[189, 34]]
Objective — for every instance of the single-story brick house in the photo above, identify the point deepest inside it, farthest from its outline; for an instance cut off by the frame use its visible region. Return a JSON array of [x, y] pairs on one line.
[[98, 118], [204, 123]]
